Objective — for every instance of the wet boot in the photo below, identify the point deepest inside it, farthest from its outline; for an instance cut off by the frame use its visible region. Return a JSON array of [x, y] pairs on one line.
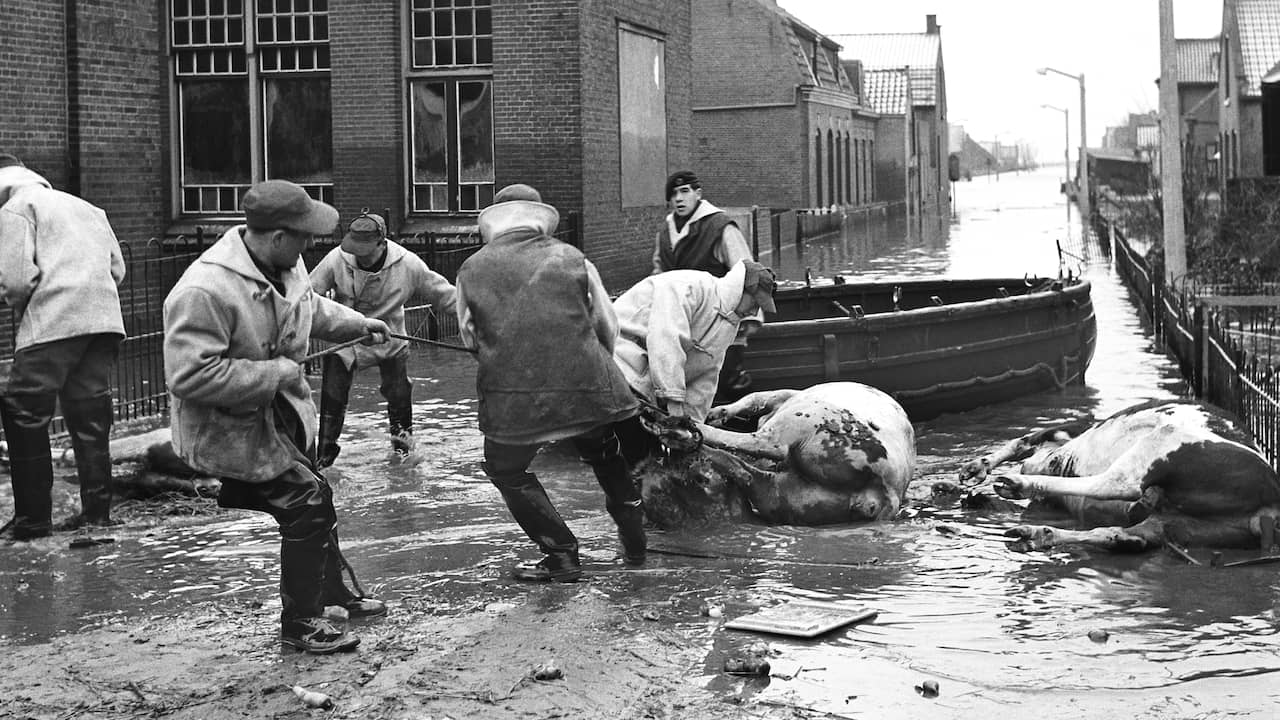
[[336, 592], [532, 510], [302, 567], [327, 447], [622, 500], [26, 429], [89, 423]]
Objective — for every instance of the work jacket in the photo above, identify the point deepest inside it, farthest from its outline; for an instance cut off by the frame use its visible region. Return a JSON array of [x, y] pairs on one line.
[[381, 294], [223, 324], [60, 262], [673, 331]]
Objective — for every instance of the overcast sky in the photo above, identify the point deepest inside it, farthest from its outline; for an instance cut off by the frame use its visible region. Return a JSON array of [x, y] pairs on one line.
[[991, 49]]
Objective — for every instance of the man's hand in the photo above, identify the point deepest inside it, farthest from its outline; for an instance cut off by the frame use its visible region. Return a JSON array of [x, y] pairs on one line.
[[288, 372], [377, 330]]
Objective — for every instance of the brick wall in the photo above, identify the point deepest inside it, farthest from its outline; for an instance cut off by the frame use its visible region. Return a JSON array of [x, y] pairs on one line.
[[33, 85], [743, 54], [890, 158], [752, 157], [368, 94], [620, 240]]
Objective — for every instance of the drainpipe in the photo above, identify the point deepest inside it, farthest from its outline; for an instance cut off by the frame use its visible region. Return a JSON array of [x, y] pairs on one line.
[[72, 40]]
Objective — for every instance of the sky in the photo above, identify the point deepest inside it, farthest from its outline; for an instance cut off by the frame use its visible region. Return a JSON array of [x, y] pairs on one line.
[[992, 48]]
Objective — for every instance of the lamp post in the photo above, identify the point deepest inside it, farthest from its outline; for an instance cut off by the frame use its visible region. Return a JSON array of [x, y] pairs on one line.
[[1083, 198]]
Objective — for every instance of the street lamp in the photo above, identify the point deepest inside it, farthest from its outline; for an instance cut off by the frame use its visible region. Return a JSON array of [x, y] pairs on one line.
[[1083, 197], [1066, 134]]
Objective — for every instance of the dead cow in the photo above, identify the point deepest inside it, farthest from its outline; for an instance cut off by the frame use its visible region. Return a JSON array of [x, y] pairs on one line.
[[833, 453], [1163, 471]]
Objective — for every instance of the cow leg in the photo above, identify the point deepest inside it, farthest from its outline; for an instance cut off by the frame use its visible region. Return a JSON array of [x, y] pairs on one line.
[[1125, 479], [1020, 448], [747, 443], [1146, 535], [749, 407]]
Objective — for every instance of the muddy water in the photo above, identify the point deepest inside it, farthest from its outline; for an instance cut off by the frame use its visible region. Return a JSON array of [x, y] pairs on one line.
[[998, 631]]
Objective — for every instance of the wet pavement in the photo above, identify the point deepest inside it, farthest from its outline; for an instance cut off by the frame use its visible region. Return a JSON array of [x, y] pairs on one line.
[[997, 630]]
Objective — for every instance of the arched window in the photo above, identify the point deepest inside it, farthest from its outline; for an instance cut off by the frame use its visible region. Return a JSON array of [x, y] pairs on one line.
[[831, 172], [817, 168], [839, 169], [848, 172], [871, 176]]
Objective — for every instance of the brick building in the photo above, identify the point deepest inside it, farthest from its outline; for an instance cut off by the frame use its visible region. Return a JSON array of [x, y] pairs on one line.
[[921, 55], [777, 120], [1249, 88], [163, 113], [1198, 105], [897, 166]]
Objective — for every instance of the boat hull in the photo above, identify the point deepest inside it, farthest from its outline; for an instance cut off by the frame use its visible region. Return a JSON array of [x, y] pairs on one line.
[[952, 345]]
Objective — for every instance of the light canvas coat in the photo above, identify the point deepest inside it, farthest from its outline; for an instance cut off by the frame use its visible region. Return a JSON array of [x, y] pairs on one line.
[[60, 262], [223, 325], [381, 294], [673, 331]]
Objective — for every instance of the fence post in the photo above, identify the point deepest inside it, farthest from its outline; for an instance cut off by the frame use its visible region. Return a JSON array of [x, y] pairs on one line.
[[755, 233], [1201, 352]]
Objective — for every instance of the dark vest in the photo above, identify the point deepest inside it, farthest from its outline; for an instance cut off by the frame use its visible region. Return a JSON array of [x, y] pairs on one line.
[[697, 251], [542, 368]]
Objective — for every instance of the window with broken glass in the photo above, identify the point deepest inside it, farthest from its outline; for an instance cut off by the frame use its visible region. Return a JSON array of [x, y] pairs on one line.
[[450, 88], [251, 79]]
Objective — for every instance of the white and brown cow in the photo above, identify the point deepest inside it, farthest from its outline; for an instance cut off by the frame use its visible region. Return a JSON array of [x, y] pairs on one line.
[[1164, 471], [833, 453]]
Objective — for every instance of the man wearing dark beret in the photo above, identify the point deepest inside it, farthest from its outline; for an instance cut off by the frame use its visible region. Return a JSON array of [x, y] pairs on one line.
[[700, 236]]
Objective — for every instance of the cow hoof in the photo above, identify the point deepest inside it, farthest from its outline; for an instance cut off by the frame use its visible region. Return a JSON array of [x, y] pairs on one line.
[[717, 417], [975, 469], [1009, 488], [1028, 538]]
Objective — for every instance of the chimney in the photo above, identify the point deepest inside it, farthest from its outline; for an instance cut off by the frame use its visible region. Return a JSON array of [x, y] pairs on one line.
[[931, 24]]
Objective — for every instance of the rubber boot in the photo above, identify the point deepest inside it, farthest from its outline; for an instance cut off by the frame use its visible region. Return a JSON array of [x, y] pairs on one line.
[[532, 510], [26, 429], [335, 387], [89, 423], [336, 591], [622, 500], [302, 562], [327, 447]]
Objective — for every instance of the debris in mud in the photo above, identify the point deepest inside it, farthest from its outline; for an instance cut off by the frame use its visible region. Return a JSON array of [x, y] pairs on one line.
[[548, 671], [84, 541], [369, 674], [1099, 636], [711, 610], [757, 666], [313, 699], [928, 688]]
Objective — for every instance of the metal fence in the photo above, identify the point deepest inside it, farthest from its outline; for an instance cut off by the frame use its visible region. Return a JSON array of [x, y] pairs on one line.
[[1224, 335], [151, 270]]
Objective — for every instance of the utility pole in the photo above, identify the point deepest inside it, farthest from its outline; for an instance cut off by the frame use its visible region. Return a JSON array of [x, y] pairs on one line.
[[1175, 242]]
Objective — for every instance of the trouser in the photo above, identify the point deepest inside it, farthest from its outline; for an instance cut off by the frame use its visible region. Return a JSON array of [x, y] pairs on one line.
[[335, 389], [75, 372], [507, 467], [301, 502]]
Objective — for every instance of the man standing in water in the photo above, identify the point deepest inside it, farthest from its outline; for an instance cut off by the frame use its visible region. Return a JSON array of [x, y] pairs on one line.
[[537, 312], [236, 328], [697, 235]]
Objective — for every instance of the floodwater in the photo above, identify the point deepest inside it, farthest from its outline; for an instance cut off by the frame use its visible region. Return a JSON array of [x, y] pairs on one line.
[[1001, 632]]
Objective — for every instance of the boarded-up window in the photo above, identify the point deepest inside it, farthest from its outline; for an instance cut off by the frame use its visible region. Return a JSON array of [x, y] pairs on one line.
[[642, 116]]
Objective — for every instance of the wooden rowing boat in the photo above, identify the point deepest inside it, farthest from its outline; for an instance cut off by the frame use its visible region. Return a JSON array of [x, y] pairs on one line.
[[936, 345]]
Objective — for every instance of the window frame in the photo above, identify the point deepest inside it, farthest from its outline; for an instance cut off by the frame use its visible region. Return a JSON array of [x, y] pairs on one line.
[[452, 76], [253, 81]]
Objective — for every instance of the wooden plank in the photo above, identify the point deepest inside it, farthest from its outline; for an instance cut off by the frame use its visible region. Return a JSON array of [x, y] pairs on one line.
[[802, 618]]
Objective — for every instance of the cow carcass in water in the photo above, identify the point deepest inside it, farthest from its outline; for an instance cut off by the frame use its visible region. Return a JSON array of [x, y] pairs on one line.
[[1163, 471], [832, 453]]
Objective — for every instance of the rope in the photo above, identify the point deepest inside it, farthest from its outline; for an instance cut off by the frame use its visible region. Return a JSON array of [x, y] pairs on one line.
[[342, 561]]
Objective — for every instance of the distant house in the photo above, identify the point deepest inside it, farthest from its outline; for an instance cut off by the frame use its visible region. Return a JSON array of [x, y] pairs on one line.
[[1198, 105], [164, 113], [1249, 88], [897, 171], [777, 120], [921, 55]]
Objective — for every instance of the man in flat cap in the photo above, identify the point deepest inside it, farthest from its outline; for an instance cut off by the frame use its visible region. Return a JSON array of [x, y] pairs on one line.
[[697, 235], [537, 312], [236, 327], [376, 276]]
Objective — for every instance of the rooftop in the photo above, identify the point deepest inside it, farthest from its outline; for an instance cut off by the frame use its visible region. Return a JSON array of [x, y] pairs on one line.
[[1197, 60], [887, 90], [1259, 28], [918, 51]]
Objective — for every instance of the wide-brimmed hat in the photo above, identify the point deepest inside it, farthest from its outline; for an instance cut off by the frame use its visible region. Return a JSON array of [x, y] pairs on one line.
[[759, 281], [365, 231], [282, 205]]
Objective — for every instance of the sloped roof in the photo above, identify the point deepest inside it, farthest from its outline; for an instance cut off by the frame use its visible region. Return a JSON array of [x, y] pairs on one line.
[[829, 72], [917, 51], [1196, 60], [1259, 27], [887, 90]]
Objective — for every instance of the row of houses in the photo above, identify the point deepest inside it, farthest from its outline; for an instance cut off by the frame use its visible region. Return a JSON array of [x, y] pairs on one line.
[[1228, 103], [164, 113]]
